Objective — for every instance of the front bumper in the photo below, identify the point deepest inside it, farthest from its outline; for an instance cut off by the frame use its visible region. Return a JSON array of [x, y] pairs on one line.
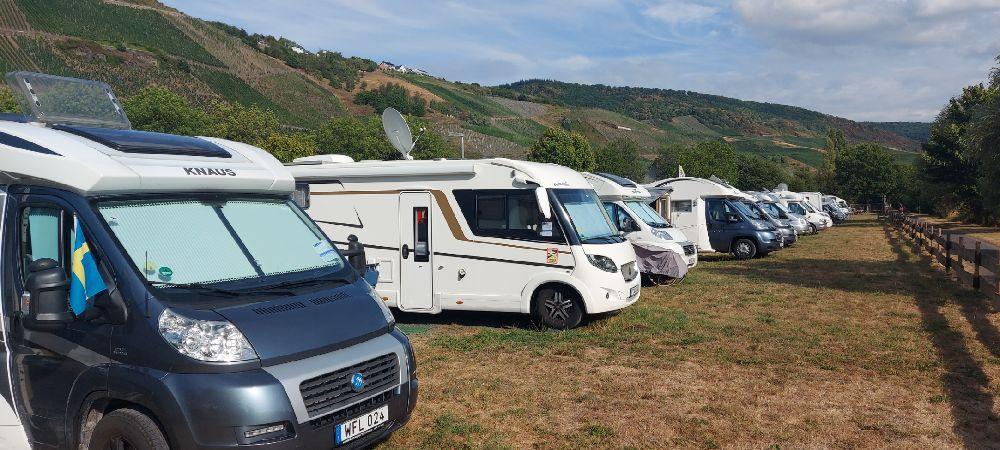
[[769, 240], [216, 410]]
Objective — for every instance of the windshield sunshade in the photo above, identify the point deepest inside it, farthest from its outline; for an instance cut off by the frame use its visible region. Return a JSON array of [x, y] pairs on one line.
[[149, 143]]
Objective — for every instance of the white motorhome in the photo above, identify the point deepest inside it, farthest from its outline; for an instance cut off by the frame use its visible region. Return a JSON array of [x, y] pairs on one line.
[[797, 204], [481, 235], [815, 199], [628, 205], [713, 215]]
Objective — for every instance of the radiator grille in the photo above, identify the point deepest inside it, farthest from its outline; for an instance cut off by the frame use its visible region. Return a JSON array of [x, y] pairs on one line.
[[689, 249], [333, 390]]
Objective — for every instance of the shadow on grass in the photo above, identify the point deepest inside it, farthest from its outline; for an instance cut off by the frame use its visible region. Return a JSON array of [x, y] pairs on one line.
[[966, 383], [482, 319]]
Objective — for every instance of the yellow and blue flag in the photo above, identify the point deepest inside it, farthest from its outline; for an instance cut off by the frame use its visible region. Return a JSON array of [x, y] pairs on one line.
[[86, 281]]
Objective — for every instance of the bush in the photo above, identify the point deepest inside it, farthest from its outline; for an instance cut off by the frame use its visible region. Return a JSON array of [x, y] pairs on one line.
[[564, 148], [622, 157], [157, 109]]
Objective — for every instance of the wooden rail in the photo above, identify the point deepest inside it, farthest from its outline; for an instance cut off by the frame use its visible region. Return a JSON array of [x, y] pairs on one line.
[[970, 261]]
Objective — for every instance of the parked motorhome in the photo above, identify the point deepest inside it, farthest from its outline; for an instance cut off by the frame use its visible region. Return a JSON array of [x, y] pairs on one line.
[[628, 205], [770, 203], [714, 217], [797, 204], [479, 235], [841, 203], [162, 291], [789, 235], [815, 199]]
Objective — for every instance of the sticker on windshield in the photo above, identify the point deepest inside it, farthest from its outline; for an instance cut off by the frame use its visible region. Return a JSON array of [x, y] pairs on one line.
[[546, 229], [552, 256], [325, 251]]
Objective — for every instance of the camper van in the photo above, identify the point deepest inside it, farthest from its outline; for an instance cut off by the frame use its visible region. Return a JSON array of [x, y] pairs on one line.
[[789, 235], [714, 216], [774, 208], [478, 235], [797, 204], [815, 199], [162, 291], [839, 202], [628, 205]]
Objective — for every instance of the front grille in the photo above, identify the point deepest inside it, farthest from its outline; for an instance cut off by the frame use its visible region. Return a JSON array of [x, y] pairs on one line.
[[629, 271], [333, 390], [353, 411], [689, 249]]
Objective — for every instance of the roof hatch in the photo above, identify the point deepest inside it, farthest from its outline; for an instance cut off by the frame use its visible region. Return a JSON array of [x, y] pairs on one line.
[[148, 143], [52, 99]]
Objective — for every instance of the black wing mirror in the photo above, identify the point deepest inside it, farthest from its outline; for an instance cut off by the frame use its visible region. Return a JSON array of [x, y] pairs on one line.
[[48, 302]]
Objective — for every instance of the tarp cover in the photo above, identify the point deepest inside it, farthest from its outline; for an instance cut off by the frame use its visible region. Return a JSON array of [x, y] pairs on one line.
[[658, 260]]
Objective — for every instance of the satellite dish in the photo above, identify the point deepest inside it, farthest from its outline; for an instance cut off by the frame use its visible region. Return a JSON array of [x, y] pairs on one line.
[[398, 132]]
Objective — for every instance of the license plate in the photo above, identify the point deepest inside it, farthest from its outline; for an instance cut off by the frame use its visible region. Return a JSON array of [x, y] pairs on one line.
[[362, 424], [634, 291]]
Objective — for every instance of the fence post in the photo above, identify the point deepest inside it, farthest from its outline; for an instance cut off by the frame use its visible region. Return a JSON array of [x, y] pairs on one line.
[[959, 265], [947, 253], [978, 260]]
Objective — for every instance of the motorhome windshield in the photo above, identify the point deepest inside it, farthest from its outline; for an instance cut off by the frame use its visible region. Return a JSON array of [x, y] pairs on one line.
[[239, 242], [776, 210], [647, 214], [748, 210], [588, 217], [808, 207]]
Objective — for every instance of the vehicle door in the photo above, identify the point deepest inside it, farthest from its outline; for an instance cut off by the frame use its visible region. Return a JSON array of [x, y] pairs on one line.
[[12, 433], [717, 214], [416, 279], [622, 219], [46, 364]]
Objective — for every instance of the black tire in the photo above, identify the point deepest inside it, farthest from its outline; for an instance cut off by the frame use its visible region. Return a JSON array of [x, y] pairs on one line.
[[127, 429], [654, 279], [558, 308], [744, 248], [813, 229]]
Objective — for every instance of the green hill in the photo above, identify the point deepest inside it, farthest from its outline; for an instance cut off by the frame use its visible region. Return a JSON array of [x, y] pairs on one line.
[[131, 44], [917, 131]]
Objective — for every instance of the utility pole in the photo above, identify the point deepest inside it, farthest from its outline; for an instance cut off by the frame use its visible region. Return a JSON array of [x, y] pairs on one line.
[[462, 138]]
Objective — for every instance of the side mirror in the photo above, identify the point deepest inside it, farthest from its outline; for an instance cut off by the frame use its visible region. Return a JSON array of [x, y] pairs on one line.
[[48, 290], [544, 206]]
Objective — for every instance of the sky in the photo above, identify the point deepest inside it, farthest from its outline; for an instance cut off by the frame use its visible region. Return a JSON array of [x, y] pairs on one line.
[[879, 60]]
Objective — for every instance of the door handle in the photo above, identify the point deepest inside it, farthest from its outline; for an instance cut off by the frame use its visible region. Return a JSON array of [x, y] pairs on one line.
[[406, 251]]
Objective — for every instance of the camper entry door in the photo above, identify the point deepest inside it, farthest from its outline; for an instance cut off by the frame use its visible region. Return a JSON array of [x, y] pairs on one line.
[[416, 279]]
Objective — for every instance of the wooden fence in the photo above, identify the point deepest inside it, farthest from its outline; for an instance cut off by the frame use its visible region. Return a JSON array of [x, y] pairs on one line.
[[970, 261]]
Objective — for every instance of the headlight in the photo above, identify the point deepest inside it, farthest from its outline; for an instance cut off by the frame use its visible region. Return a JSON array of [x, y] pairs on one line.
[[663, 235], [603, 262], [205, 340], [381, 304]]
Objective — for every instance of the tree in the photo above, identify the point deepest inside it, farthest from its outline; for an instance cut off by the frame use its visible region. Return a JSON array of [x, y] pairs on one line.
[[392, 95], [705, 159], [288, 146], [155, 108], [867, 172], [250, 124], [622, 157], [835, 143], [565, 148], [8, 103], [364, 139], [983, 147], [755, 172]]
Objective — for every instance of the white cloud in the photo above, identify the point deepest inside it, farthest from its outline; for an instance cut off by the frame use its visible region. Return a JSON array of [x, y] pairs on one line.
[[679, 12]]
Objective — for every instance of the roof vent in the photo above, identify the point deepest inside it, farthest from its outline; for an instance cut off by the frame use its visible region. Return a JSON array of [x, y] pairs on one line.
[[323, 159], [148, 143]]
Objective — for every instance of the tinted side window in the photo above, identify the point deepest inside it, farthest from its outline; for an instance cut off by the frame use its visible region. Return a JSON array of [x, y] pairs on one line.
[[506, 213], [716, 210], [682, 205]]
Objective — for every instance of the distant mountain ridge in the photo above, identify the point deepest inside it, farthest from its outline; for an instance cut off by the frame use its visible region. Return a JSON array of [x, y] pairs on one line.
[[917, 131]]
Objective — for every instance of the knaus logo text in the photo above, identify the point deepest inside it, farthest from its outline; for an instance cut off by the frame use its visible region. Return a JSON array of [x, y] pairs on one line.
[[208, 171]]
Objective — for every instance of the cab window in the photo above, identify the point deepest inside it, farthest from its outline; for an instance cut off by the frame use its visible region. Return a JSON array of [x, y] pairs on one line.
[[506, 213], [43, 235]]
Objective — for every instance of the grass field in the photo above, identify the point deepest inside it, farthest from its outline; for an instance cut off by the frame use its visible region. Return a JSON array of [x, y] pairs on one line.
[[846, 340]]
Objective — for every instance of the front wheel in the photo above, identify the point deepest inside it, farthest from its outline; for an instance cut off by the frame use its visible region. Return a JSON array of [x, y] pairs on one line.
[[744, 248], [127, 429], [558, 308], [813, 229]]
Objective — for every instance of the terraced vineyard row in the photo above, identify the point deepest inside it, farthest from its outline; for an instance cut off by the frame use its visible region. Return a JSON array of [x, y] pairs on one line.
[[92, 19], [306, 102], [12, 57], [11, 16]]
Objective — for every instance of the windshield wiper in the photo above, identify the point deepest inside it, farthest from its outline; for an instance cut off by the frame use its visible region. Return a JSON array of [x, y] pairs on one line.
[[198, 287], [299, 283]]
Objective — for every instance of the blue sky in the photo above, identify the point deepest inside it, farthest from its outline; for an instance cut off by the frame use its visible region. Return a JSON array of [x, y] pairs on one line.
[[860, 59]]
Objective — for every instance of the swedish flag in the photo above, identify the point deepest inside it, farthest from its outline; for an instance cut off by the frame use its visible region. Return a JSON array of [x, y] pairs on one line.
[[86, 281]]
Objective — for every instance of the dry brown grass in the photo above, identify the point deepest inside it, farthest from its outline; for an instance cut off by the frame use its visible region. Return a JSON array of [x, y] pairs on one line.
[[846, 340]]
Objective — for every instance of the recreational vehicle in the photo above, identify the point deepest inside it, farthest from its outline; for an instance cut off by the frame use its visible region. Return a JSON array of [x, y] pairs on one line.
[[162, 291], [715, 217], [789, 235], [797, 205], [839, 202], [774, 208], [628, 205], [480, 235], [815, 199]]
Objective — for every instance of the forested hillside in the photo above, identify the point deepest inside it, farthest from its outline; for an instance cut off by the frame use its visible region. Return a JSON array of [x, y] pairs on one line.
[[917, 131], [324, 101]]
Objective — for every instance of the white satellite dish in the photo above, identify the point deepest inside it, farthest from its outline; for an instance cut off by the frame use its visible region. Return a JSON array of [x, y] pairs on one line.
[[398, 132]]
